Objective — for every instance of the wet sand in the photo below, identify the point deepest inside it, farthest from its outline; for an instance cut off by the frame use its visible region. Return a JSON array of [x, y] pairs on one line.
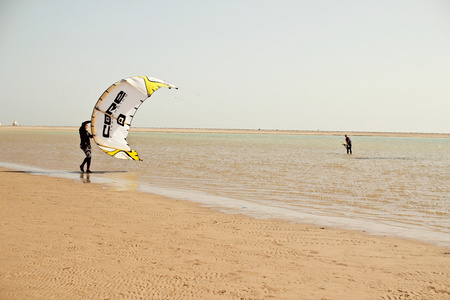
[[71, 240]]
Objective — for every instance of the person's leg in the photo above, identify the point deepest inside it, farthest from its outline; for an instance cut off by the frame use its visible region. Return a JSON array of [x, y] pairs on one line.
[[88, 162], [88, 159]]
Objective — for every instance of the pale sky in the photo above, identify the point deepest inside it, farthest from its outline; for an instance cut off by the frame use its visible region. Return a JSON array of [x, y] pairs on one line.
[[381, 65]]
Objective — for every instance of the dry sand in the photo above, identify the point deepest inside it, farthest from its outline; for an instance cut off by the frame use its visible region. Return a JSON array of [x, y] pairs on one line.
[[62, 239]]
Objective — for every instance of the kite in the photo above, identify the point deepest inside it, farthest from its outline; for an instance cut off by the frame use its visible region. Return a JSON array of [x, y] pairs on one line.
[[114, 111]]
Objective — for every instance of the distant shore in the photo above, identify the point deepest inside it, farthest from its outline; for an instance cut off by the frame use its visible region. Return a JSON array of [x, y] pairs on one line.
[[242, 131]]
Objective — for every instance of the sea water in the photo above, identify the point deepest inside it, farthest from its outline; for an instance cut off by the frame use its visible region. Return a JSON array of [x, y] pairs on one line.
[[390, 185]]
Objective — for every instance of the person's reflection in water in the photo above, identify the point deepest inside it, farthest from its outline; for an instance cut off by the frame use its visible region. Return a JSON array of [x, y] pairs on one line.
[[85, 177]]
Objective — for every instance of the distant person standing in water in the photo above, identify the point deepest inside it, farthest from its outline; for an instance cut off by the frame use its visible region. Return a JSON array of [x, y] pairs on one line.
[[348, 144], [85, 145]]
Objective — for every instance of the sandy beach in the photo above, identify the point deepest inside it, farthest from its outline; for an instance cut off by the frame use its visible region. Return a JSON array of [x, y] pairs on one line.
[[71, 240]]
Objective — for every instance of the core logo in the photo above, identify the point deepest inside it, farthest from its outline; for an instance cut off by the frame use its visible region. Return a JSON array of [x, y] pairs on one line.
[[110, 111]]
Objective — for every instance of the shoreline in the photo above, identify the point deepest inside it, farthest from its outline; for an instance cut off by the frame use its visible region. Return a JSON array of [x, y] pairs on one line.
[[241, 131], [256, 211], [62, 238]]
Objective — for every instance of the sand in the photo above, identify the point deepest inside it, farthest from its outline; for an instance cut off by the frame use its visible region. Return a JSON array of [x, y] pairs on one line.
[[62, 239]]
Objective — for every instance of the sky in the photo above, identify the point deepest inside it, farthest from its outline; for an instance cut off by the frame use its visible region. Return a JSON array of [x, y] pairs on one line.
[[350, 65]]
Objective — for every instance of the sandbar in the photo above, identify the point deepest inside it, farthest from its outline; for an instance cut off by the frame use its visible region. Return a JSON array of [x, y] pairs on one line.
[[243, 131]]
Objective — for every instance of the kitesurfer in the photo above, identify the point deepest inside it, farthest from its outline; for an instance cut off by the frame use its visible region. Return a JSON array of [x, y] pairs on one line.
[[85, 145], [348, 144]]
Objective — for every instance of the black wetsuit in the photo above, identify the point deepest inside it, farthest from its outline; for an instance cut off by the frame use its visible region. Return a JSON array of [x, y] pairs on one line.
[[85, 145], [349, 145]]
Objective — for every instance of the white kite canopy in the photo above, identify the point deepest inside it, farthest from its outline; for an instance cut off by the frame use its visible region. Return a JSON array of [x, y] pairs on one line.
[[114, 111]]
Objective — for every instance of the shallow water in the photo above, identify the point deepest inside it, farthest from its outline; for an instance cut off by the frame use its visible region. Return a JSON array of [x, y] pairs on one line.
[[389, 186]]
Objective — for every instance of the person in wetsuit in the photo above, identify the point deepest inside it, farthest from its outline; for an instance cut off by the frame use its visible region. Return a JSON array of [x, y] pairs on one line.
[[348, 144], [85, 145]]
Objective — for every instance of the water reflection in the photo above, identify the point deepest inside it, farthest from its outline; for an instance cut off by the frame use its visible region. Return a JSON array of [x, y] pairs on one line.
[[85, 177]]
